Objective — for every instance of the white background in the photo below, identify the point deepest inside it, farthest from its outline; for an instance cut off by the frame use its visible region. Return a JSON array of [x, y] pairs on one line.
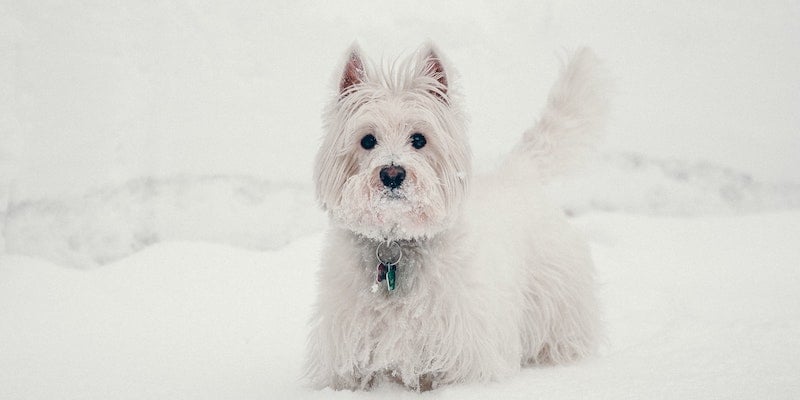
[[100, 93]]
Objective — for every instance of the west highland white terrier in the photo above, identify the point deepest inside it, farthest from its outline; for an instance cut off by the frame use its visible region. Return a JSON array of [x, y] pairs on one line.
[[432, 276]]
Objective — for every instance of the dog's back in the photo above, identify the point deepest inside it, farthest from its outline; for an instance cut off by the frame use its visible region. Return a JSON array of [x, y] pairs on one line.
[[553, 257]]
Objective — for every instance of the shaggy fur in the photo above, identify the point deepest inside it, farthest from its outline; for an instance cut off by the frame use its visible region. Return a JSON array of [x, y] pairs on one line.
[[492, 277]]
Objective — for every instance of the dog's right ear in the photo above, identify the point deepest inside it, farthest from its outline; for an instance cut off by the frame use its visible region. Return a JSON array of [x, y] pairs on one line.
[[354, 73]]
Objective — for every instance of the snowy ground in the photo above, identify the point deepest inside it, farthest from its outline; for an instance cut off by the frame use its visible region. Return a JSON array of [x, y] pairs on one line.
[[158, 232], [700, 308]]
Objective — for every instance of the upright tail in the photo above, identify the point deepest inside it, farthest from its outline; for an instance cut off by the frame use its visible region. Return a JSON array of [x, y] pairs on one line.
[[571, 122]]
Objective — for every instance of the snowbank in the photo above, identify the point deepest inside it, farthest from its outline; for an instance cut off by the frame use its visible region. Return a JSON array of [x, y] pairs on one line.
[[108, 224], [637, 184]]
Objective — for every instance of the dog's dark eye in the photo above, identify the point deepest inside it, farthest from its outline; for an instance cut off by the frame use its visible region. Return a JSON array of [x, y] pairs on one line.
[[418, 140], [368, 142]]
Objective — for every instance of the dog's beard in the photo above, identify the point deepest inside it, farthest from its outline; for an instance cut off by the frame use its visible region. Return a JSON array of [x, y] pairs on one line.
[[415, 210]]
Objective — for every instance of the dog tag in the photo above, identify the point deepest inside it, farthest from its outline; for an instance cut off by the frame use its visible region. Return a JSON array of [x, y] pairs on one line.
[[391, 277], [388, 254], [381, 275]]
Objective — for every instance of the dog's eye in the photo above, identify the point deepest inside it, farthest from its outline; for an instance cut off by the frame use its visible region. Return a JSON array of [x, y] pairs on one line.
[[368, 142], [418, 140]]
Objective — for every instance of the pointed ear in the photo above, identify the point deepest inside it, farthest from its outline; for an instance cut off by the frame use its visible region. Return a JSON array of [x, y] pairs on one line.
[[353, 71], [435, 69]]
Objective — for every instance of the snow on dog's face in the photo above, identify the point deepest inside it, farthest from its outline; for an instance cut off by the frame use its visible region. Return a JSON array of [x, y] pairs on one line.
[[394, 163]]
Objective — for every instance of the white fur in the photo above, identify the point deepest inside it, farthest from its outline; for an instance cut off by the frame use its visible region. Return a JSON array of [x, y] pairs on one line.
[[492, 276]]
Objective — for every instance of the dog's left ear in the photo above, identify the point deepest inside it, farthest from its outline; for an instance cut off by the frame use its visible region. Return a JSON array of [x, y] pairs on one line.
[[354, 73], [434, 68]]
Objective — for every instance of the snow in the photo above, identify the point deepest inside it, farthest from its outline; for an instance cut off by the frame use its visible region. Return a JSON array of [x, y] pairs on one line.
[[110, 223], [159, 235], [694, 308], [182, 320]]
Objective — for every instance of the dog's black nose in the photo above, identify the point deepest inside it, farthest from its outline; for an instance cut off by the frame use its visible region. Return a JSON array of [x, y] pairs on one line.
[[392, 176]]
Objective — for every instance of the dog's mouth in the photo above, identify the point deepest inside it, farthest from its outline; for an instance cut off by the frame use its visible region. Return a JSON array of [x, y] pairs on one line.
[[394, 194]]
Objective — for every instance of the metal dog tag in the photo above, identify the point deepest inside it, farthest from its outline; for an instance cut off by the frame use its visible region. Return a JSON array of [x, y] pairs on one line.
[[389, 254], [381, 272], [391, 277]]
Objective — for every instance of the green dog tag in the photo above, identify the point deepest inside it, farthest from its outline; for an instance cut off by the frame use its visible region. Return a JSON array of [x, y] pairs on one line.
[[391, 277]]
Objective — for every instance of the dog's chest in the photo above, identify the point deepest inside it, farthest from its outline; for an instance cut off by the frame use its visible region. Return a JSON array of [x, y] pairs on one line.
[[423, 290], [391, 271], [400, 318]]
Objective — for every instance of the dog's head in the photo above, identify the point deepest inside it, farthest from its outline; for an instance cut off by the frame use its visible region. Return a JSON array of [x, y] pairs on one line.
[[394, 163]]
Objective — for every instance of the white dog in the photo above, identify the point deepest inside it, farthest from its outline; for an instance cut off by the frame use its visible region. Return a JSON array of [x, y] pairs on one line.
[[432, 276]]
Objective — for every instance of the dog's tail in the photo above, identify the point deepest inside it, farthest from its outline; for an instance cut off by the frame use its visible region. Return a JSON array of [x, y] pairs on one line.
[[571, 122]]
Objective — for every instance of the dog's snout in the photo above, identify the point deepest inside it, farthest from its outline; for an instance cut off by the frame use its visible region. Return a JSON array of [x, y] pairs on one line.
[[392, 176]]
